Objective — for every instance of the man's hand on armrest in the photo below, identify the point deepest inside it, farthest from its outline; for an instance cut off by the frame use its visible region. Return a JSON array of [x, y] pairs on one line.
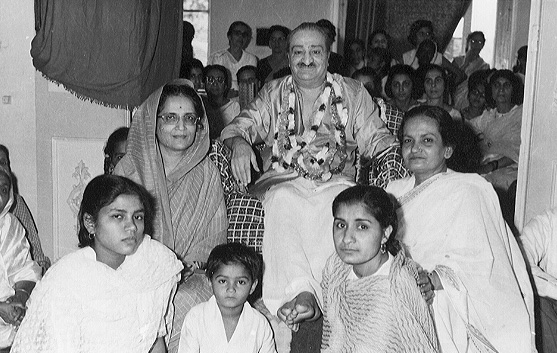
[[243, 158]]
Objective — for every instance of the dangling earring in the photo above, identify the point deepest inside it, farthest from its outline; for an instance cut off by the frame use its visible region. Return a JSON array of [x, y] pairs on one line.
[[383, 248], [91, 236]]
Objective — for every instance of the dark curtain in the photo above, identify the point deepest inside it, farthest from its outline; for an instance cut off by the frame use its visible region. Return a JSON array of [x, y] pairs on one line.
[[113, 52], [396, 16], [445, 15], [362, 17]]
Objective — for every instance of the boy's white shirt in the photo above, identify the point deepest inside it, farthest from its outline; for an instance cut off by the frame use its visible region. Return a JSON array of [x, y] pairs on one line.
[[203, 331]]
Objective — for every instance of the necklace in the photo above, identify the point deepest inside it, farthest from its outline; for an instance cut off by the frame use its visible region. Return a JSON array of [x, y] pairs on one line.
[[301, 153]]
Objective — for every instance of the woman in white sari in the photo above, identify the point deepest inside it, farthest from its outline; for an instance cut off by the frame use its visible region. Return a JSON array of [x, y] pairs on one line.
[[451, 224], [113, 295]]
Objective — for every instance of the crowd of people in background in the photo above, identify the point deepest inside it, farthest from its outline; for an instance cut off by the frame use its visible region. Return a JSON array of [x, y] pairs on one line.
[[427, 264]]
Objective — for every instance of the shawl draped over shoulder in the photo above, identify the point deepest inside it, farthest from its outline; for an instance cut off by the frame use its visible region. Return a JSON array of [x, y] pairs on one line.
[[83, 305], [452, 223], [15, 263], [191, 214], [376, 313]]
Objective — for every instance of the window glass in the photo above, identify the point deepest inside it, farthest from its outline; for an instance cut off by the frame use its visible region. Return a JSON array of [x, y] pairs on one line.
[[196, 12]]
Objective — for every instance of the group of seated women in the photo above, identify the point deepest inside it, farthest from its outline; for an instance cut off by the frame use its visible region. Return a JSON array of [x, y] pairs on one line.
[[475, 277], [487, 103], [453, 280]]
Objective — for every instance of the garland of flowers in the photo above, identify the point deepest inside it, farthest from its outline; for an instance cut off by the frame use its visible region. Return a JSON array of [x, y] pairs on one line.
[[299, 152]]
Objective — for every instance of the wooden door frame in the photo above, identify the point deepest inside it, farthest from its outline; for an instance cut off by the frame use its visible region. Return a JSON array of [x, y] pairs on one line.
[[528, 113]]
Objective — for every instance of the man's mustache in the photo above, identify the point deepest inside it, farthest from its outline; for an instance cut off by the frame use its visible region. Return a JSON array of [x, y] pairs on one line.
[[302, 65]]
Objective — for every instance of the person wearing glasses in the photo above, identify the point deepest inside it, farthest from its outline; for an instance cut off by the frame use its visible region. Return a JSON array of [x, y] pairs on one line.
[[469, 63], [167, 154], [220, 109], [233, 58]]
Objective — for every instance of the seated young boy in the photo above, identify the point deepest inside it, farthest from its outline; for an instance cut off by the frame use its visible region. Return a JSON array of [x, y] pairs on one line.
[[226, 322]]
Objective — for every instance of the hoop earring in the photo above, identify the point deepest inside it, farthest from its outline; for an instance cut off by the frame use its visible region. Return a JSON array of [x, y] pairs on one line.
[[383, 248], [91, 236]]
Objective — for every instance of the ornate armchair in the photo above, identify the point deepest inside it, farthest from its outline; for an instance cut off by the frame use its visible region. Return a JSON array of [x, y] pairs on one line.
[[245, 212]]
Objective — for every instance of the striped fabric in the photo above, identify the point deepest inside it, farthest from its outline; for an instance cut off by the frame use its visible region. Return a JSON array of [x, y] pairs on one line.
[[23, 214], [378, 313], [190, 293], [191, 212], [245, 212]]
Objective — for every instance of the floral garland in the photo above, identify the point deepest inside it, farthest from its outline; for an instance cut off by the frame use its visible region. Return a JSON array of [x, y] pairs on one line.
[[300, 152]]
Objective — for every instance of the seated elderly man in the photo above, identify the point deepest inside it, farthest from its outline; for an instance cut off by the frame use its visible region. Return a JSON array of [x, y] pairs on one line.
[[539, 241], [311, 123]]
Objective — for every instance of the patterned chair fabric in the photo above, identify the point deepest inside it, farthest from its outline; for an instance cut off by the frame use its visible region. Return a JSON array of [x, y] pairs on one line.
[[245, 212], [388, 165]]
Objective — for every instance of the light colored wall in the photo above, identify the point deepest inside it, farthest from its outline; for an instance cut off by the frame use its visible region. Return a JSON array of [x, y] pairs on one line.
[[537, 180], [36, 115], [17, 80], [62, 115], [262, 13]]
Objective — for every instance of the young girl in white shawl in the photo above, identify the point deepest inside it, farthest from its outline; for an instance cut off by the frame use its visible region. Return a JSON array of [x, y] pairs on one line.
[[18, 272], [112, 294], [371, 300]]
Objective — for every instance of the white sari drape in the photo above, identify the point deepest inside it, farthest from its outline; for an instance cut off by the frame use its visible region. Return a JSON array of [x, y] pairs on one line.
[[83, 305], [452, 223]]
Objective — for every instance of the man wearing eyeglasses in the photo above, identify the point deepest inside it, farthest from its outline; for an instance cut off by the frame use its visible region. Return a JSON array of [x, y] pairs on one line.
[[233, 58]]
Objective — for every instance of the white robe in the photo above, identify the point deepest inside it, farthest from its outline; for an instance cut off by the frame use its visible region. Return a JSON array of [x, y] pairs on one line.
[[452, 223], [203, 331], [83, 305]]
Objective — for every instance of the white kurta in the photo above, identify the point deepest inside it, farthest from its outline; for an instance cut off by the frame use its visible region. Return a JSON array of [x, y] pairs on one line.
[[83, 305], [452, 223], [203, 331], [539, 240]]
